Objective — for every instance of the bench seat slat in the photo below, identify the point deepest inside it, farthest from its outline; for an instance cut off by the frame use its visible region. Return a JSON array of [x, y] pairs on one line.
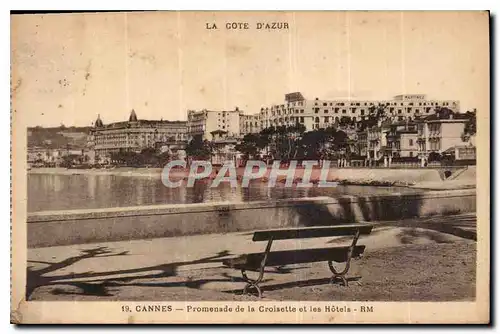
[[313, 232], [252, 261]]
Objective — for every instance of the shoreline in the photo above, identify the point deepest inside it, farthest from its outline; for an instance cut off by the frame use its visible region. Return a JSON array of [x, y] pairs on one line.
[[425, 179]]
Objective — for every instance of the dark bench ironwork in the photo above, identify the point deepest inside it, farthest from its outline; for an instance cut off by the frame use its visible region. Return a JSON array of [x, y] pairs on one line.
[[258, 261]]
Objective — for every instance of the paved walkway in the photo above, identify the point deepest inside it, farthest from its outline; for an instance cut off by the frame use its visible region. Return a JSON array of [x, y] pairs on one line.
[[195, 261]]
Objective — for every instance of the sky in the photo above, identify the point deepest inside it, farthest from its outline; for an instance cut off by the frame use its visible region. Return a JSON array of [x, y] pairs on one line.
[[68, 68]]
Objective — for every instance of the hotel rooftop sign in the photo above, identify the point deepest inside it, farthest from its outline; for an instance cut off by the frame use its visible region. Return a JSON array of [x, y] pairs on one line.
[[410, 97]]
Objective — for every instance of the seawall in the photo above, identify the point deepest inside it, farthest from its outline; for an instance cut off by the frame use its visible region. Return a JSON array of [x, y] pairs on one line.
[[54, 228]]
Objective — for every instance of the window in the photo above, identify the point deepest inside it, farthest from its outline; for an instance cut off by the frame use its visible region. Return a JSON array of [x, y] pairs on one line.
[[301, 119], [411, 154], [411, 142], [326, 111], [327, 119], [325, 104]]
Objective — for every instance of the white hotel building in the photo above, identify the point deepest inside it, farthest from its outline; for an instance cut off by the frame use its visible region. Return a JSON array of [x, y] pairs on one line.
[[316, 114]]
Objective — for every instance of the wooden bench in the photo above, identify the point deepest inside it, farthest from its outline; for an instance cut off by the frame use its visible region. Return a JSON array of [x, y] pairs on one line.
[[258, 261]]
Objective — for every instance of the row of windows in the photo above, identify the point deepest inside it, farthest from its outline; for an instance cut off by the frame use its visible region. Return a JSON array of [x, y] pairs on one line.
[[353, 110], [432, 103], [358, 104], [435, 145], [397, 144]]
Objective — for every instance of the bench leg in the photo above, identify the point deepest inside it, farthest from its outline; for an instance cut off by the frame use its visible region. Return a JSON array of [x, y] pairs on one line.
[[341, 275], [254, 284]]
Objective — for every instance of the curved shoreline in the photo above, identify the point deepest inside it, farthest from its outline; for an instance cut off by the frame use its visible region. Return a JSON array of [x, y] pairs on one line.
[[425, 179]]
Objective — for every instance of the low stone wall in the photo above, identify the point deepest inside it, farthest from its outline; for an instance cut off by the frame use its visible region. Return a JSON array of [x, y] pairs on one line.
[[54, 228]]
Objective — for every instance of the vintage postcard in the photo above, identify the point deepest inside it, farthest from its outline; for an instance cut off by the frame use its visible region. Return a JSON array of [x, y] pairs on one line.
[[250, 167]]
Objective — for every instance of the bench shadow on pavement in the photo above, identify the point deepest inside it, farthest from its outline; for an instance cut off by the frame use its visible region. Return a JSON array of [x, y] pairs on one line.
[[93, 283], [41, 277]]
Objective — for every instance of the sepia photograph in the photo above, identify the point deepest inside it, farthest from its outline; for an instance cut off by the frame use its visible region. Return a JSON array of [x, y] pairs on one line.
[[250, 167]]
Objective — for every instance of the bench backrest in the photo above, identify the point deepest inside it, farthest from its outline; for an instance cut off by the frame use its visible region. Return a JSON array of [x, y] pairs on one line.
[[313, 232]]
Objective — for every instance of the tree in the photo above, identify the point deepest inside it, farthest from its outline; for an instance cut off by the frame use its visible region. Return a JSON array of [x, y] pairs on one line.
[[375, 113], [378, 111], [199, 148], [163, 158], [147, 156], [251, 145], [470, 126], [434, 156]]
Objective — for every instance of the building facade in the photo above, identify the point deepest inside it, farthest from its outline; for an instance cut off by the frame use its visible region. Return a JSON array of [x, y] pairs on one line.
[[316, 114], [249, 124], [402, 140], [134, 134], [205, 122], [376, 137], [438, 133]]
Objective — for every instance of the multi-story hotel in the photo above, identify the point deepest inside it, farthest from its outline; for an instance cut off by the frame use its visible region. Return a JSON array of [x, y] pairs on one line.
[[249, 124], [134, 134], [316, 114], [205, 122]]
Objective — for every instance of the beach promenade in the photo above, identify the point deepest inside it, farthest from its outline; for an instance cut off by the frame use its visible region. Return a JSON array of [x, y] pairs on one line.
[[430, 258]]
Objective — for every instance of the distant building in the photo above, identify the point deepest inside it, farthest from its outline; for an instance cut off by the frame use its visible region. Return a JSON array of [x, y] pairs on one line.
[[223, 148], [249, 124], [362, 147], [204, 122], [54, 157], [134, 134], [439, 132], [462, 152], [316, 114], [372, 141], [402, 140]]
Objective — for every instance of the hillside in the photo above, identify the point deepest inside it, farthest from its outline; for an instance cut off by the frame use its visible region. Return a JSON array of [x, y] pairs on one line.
[[58, 137]]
